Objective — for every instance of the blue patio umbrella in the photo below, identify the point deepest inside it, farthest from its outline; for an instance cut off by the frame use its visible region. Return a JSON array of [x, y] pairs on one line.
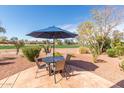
[[52, 32]]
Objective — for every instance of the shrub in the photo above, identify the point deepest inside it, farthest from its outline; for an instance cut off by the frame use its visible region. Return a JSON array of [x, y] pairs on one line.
[[31, 52], [72, 55], [47, 49], [111, 52], [57, 54], [121, 65], [119, 50], [107, 42], [84, 50]]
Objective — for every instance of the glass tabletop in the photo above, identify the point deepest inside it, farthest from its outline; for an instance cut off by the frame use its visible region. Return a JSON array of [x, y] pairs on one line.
[[52, 59]]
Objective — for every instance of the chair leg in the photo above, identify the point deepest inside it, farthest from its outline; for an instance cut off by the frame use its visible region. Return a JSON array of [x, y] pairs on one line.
[[49, 68], [69, 68], [54, 76], [46, 68], [65, 74], [61, 71], [36, 73]]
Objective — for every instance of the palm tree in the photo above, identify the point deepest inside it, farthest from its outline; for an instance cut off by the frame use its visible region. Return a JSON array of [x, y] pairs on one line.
[[2, 30], [14, 39]]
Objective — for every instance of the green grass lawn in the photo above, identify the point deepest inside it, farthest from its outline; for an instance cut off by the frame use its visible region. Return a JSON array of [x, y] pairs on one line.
[[57, 46], [67, 46], [7, 47]]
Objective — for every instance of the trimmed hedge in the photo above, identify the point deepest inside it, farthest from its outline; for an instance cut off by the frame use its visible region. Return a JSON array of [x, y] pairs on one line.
[[31, 52]]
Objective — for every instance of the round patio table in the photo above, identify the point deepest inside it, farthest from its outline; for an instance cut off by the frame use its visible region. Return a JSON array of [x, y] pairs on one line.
[[51, 59]]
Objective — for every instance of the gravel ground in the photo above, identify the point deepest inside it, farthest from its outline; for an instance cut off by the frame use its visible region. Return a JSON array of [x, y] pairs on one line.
[[109, 70], [12, 64]]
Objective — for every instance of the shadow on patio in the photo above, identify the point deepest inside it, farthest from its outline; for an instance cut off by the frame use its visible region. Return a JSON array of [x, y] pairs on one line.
[[7, 58], [120, 83], [6, 63], [84, 64]]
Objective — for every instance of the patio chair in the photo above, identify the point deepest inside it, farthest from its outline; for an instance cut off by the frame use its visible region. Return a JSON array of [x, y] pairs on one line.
[[39, 66], [59, 67], [67, 62]]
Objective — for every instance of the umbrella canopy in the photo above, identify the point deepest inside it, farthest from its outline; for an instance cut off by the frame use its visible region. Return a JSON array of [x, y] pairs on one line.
[[52, 33]]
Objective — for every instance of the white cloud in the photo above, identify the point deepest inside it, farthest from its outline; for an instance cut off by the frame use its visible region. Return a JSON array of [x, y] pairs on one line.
[[34, 39], [69, 27], [120, 27]]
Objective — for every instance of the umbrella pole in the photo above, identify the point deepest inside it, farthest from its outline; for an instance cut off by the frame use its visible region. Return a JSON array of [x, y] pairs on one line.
[[54, 60], [53, 47]]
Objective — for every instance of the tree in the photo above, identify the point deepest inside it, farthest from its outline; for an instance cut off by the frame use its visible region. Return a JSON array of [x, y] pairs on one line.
[[2, 29], [71, 41], [14, 39], [67, 41], [88, 37], [58, 42], [117, 37], [3, 38], [18, 44], [107, 43], [95, 33], [106, 20], [47, 48]]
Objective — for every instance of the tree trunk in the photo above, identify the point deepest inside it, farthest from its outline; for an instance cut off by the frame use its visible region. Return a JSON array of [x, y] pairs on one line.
[[101, 48], [17, 51]]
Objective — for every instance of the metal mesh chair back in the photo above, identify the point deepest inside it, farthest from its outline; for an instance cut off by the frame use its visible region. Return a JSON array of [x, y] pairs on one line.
[[37, 61], [68, 57], [59, 65]]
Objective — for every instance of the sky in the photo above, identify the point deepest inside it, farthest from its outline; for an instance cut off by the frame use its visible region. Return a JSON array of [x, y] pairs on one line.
[[21, 20]]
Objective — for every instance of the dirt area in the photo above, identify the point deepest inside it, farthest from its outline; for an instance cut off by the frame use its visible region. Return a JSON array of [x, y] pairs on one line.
[[109, 70], [10, 63]]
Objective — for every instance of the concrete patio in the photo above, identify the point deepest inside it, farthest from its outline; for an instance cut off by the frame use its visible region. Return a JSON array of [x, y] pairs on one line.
[[80, 79]]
